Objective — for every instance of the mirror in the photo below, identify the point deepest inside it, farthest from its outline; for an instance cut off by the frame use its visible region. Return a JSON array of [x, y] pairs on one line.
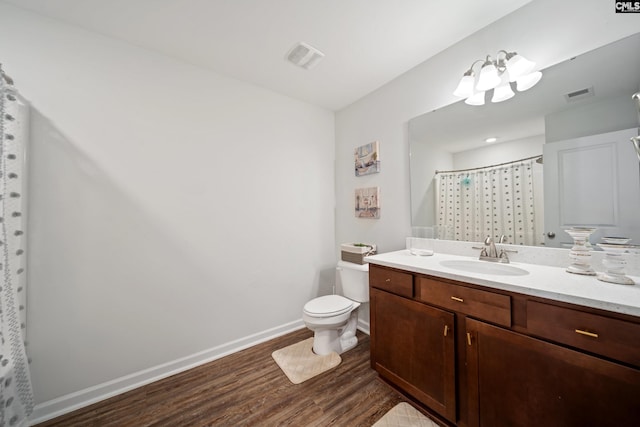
[[585, 96]]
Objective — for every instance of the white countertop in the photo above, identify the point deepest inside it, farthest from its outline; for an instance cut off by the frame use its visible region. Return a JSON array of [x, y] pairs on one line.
[[542, 281]]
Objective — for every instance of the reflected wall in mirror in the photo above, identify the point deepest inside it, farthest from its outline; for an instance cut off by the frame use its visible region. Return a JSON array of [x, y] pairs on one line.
[[579, 118]]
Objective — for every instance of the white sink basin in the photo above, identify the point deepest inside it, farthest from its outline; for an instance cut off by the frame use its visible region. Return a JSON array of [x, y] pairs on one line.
[[484, 267]]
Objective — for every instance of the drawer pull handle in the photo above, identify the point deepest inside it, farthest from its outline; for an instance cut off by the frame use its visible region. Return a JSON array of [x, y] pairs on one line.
[[457, 299], [468, 338], [587, 333], [446, 329], [388, 280]]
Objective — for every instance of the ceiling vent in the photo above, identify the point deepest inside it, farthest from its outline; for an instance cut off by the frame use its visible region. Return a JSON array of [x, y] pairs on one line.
[[304, 56], [579, 94]]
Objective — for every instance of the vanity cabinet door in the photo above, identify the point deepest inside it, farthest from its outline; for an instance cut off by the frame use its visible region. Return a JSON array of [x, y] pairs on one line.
[[412, 346], [515, 380]]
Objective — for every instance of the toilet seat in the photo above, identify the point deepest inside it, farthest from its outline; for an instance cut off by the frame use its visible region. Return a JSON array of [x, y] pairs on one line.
[[328, 306]]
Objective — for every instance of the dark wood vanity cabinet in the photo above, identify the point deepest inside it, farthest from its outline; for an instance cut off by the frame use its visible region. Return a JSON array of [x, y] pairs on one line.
[[412, 344], [479, 357], [517, 380], [414, 349]]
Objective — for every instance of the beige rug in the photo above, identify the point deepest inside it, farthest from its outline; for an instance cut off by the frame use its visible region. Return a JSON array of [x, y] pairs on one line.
[[404, 415], [299, 362]]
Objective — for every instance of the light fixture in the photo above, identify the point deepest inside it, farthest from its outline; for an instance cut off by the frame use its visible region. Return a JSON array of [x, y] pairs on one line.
[[517, 65], [490, 139], [528, 81], [503, 91], [476, 99], [497, 74], [465, 87], [489, 76]]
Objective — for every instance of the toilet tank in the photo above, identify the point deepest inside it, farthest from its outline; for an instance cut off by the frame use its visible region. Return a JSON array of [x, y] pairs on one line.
[[355, 280]]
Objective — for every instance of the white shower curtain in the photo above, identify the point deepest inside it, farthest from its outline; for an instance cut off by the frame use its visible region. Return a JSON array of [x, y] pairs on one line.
[[16, 395], [493, 201]]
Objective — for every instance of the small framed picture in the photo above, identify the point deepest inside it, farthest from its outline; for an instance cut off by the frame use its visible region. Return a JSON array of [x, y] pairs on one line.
[[367, 159], [367, 202]]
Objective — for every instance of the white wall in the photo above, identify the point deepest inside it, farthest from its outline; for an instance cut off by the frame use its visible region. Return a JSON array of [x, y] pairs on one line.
[[425, 161], [545, 31], [173, 211]]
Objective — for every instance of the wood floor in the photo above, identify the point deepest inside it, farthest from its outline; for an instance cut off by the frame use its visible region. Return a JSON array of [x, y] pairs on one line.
[[248, 389]]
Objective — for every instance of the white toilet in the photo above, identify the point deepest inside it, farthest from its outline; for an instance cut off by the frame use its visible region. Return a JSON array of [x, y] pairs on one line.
[[334, 318]]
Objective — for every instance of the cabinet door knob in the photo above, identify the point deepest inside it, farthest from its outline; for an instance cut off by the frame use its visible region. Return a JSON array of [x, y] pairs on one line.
[[468, 338], [587, 333], [446, 329], [388, 280], [457, 299]]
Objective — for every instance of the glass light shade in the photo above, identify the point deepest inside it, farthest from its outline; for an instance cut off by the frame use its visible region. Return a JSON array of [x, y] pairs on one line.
[[518, 66], [475, 99], [488, 78], [502, 92], [528, 81], [465, 87]]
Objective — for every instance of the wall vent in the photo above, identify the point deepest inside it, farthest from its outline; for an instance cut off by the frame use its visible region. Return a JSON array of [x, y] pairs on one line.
[[304, 56], [579, 94]]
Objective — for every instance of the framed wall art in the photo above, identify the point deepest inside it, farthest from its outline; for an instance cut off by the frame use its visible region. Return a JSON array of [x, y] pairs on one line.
[[367, 202], [367, 159]]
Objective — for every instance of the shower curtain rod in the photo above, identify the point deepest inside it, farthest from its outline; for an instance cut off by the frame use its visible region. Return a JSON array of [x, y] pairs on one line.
[[538, 159]]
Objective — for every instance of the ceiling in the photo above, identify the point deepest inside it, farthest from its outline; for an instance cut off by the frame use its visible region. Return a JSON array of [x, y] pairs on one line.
[[366, 43]]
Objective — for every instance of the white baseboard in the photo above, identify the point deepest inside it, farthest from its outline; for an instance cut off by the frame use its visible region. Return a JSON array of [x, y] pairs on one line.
[[364, 327], [70, 402]]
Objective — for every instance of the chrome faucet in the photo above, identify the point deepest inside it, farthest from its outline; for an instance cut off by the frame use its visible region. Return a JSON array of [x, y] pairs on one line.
[[490, 252], [493, 251]]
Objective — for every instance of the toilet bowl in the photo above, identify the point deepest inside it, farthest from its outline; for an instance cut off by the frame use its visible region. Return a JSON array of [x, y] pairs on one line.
[[334, 318]]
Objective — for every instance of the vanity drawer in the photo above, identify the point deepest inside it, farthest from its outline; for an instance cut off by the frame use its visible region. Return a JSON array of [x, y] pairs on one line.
[[602, 335], [484, 305], [393, 281]]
